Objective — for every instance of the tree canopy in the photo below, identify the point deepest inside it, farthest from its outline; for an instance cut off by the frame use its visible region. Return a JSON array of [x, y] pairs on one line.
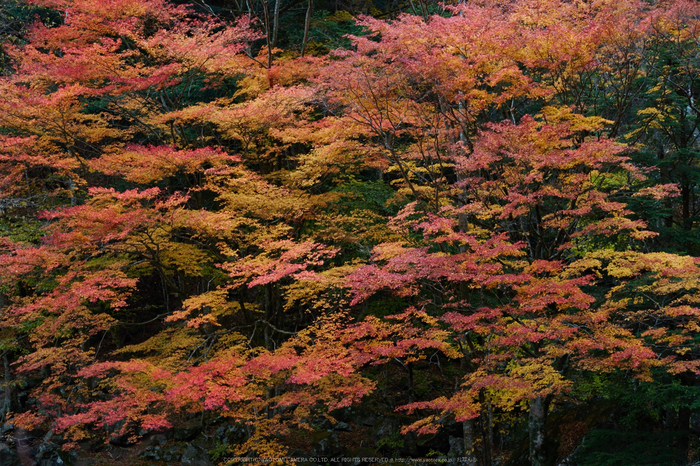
[[480, 219]]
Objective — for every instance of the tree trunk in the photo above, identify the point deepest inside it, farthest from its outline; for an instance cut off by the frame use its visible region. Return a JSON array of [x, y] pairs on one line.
[[22, 446], [8, 388], [488, 434], [536, 427], [684, 432], [469, 441], [486, 421], [685, 196], [275, 23], [307, 25], [268, 35]]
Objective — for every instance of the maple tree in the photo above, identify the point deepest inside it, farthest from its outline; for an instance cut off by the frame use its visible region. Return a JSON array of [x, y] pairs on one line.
[[550, 190], [513, 305], [205, 229], [188, 220]]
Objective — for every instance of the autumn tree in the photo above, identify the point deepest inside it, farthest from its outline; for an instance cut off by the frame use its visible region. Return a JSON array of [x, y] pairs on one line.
[[199, 259], [236, 234], [507, 209]]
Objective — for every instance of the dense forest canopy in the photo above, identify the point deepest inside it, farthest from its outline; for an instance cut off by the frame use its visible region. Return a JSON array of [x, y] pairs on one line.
[[393, 229]]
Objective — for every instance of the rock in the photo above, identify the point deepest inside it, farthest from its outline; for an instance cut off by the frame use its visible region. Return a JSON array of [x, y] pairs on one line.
[[121, 435], [343, 426], [8, 456], [456, 447], [194, 456], [55, 461], [231, 433], [168, 454], [124, 440], [369, 420], [186, 434], [385, 428], [327, 445], [158, 439], [48, 454]]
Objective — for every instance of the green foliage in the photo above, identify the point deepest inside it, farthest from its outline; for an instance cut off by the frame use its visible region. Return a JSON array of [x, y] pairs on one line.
[[391, 444], [618, 448], [375, 196], [220, 451], [327, 31], [22, 229], [384, 306], [639, 405]]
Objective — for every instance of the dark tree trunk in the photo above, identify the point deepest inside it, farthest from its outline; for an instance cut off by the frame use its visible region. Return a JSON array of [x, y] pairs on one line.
[[486, 421], [275, 23], [536, 427], [469, 441], [307, 25], [684, 432], [686, 189], [8, 404]]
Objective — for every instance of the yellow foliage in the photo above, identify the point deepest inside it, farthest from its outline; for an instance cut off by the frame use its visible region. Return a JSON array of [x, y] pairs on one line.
[[578, 122], [184, 257], [168, 349]]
